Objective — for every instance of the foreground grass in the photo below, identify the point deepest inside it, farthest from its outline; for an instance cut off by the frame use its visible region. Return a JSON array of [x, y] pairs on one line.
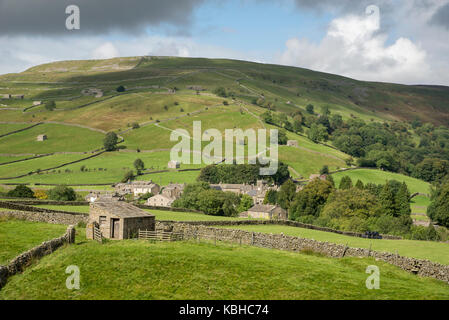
[[185, 270], [18, 236], [433, 251]]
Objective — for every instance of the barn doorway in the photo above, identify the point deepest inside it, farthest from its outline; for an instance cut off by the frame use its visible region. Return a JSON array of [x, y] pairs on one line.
[[115, 228]]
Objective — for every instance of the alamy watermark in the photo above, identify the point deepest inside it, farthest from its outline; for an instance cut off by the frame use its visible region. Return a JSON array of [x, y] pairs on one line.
[[73, 281], [373, 280], [73, 21], [254, 142]]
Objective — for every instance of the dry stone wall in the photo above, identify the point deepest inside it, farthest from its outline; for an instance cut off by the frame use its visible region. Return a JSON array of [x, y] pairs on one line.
[[18, 264], [48, 217], [281, 222], [420, 267]]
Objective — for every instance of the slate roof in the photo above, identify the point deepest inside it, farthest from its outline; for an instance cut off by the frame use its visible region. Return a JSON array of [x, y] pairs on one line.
[[262, 208], [121, 209]]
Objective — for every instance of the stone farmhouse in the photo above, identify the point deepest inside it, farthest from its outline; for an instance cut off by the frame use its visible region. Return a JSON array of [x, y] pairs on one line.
[[98, 196], [257, 191], [168, 194], [160, 200], [6, 96], [137, 188], [172, 164], [118, 219], [37, 103], [265, 211], [41, 137]]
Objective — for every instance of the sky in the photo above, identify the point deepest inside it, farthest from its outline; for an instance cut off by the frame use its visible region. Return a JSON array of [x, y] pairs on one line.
[[401, 41]]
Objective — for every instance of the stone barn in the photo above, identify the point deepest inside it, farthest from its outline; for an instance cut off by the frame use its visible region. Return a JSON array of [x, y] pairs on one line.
[[292, 143], [118, 219], [41, 137], [265, 211], [173, 164]]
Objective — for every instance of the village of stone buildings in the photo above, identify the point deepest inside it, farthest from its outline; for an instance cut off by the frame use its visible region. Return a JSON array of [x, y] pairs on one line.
[[118, 219]]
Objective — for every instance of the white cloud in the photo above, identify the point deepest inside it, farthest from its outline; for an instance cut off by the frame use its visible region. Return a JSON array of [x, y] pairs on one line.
[[355, 47], [105, 51]]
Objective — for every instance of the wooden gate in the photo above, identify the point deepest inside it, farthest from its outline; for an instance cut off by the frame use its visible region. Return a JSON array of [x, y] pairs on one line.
[[159, 235], [98, 236]]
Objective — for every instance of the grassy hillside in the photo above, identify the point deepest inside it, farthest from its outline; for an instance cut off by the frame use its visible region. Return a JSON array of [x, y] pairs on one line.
[[60, 138], [246, 79], [180, 270], [380, 177]]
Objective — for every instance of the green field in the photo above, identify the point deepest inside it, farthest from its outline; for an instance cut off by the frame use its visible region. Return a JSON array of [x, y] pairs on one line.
[[186, 270], [61, 138], [25, 167], [80, 209], [380, 177], [19, 236], [434, 251], [187, 216], [11, 127]]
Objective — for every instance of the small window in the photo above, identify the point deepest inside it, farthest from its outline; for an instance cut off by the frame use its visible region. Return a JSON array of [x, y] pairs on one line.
[[102, 220]]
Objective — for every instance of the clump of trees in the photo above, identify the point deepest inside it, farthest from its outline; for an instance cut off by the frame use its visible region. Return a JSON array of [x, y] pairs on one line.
[[199, 196], [21, 191], [62, 193], [382, 208], [241, 173]]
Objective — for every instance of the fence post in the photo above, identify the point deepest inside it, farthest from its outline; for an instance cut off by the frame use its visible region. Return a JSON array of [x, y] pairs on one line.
[[252, 239], [215, 237], [240, 240]]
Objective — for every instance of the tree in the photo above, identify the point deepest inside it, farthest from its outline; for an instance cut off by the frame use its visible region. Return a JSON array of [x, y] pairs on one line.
[[282, 138], [270, 197], [387, 200], [21, 191], [345, 183], [120, 89], [139, 165], [317, 133], [310, 200], [62, 193], [350, 210], [359, 185], [324, 170], [286, 194], [246, 202], [110, 141], [438, 210], [310, 109], [129, 176], [221, 92], [331, 180], [402, 201], [50, 105]]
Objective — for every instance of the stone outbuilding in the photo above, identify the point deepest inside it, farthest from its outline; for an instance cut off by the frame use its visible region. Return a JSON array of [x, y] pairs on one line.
[[292, 143], [160, 200], [41, 137], [173, 164], [265, 211], [118, 219]]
